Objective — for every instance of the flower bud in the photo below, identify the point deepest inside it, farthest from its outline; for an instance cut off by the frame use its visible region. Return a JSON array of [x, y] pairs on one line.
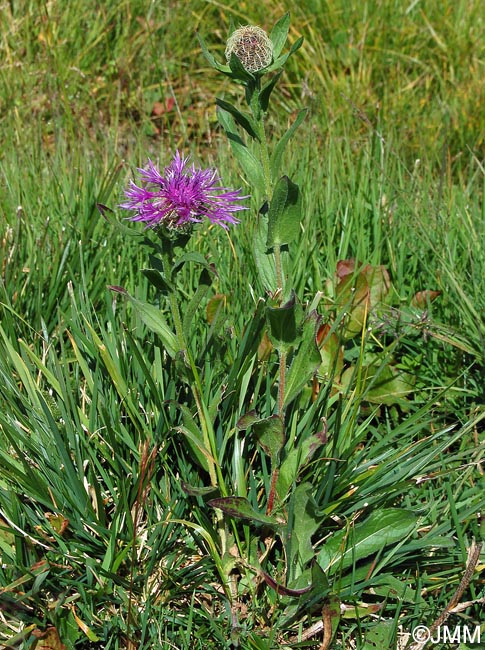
[[252, 46]]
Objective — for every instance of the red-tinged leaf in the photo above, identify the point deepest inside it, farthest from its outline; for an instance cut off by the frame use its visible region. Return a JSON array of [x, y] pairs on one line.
[[281, 589], [358, 293], [344, 268], [331, 352], [265, 348], [48, 639], [159, 108], [240, 508], [214, 306], [422, 298], [58, 522], [246, 420], [85, 628]]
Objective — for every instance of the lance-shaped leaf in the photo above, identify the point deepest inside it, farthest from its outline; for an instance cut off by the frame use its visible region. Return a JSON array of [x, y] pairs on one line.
[[281, 60], [266, 91], [250, 165], [279, 34], [154, 320], [280, 147], [245, 121], [205, 280], [283, 329], [240, 508], [210, 57], [305, 362], [379, 530], [284, 214]]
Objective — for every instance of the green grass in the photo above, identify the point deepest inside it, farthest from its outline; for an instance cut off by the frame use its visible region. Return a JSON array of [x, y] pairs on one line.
[[106, 534]]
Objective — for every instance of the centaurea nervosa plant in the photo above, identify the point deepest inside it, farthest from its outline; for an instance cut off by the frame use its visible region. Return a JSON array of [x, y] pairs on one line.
[[170, 203], [251, 55]]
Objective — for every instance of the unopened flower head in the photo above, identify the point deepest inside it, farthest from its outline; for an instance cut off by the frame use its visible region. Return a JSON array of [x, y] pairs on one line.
[[252, 46], [180, 196]]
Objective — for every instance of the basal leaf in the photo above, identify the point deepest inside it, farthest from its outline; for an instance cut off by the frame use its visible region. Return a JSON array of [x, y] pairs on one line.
[[240, 508], [378, 531]]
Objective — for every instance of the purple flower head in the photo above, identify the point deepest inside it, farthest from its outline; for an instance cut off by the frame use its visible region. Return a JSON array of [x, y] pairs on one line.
[[182, 195]]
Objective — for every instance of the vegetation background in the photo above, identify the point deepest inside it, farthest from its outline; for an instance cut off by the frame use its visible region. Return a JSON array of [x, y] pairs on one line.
[[391, 165]]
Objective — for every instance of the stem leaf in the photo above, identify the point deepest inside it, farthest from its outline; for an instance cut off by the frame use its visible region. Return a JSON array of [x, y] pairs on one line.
[[279, 34], [280, 147], [306, 361], [250, 165], [244, 121], [284, 213]]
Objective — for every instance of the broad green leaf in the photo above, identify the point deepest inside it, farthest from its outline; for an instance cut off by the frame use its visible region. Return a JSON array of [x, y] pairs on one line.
[[270, 434], [264, 261], [240, 508], [392, 588], [279, 34], [379, 530], [279, 149], [284, 213], [154, 320], [306, 360], [245, 121], [358, 293], [283, 324], [250, 165], [304, 523], [296, 459]]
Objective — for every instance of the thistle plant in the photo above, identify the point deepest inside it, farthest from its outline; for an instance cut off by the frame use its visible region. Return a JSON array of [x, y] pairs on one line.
[[249, 448]]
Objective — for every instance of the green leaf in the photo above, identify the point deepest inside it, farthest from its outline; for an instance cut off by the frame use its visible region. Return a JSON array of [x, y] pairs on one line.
[[250, 165], [154, 320], [277, 155], [305, 523], [360, 292], [157, 280], [283, 330], [201, 292], [298, 456], [210, 57], [284, 214], [280, 61], [378, 531], [264, 262], [239, 72], [306, 361], [196, 258], [240, 508], [279, 34], [245, 121], [266, 91], [270, 434]]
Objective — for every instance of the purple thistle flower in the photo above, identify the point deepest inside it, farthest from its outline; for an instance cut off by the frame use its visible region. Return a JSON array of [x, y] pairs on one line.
[[181, 196]]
